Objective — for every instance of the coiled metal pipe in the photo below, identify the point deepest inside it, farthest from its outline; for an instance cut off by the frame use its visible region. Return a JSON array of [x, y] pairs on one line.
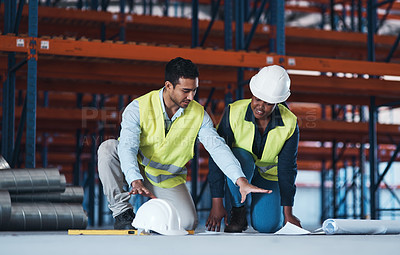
[[3, 163], [32, 180], [46, 216], [70, 195], [5, 208]]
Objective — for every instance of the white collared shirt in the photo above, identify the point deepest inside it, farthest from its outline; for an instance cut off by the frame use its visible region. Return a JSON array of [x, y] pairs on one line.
[[130, 139]]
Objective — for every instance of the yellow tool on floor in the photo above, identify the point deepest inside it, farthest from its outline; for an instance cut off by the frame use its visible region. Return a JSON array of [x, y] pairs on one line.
[[108, 232], [101, 232]]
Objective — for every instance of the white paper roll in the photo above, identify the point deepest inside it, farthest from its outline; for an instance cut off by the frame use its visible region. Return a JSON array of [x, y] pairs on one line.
[[351, 226]]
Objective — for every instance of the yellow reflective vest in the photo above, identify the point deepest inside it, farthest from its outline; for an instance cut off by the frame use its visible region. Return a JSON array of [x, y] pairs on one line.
[[164, 157], [243, 132]]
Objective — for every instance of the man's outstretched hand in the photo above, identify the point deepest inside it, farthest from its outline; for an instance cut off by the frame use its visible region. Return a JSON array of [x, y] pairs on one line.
[[139, 188], [245, 188]]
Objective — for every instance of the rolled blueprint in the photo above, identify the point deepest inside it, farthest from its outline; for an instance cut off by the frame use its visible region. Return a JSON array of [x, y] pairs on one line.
[[351, 226]]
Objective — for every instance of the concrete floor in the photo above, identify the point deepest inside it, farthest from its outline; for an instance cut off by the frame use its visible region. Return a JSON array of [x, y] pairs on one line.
[[60, 243]]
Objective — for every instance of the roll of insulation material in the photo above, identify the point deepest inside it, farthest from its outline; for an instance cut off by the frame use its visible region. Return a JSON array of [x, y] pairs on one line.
[[18, 181], [70, 195], [46, 216], [358, 227], [5, 208]]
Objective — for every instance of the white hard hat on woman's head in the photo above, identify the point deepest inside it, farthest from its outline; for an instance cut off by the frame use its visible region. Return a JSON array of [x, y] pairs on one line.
[[271, 84]]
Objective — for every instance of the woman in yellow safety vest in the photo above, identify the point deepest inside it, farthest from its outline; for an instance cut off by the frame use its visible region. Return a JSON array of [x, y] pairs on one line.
[[263, 135]]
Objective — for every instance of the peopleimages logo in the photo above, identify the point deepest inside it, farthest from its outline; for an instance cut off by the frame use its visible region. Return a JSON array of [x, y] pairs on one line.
[[87, 140], [309, 120], [107, 117]]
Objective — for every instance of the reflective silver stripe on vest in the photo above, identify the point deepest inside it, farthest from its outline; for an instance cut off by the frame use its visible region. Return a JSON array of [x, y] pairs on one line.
[[170, 168], [145, 161], [264, 169], [162, 177]]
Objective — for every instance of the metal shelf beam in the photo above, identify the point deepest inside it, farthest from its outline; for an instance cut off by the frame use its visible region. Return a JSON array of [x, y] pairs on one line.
[[133, 51], [299, 41]]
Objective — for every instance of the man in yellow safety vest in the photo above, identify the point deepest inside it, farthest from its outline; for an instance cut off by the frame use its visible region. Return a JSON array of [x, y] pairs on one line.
[[157, 138]]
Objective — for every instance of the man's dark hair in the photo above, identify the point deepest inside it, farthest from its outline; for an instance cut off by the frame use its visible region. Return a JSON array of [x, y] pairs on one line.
[[180, 68]]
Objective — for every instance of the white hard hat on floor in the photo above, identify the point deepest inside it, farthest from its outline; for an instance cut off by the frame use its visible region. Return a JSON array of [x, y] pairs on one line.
[[160, 216], [271, 84]]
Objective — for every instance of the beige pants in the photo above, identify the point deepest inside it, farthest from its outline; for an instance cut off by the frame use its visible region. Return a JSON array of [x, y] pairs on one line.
[[113, 181]]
